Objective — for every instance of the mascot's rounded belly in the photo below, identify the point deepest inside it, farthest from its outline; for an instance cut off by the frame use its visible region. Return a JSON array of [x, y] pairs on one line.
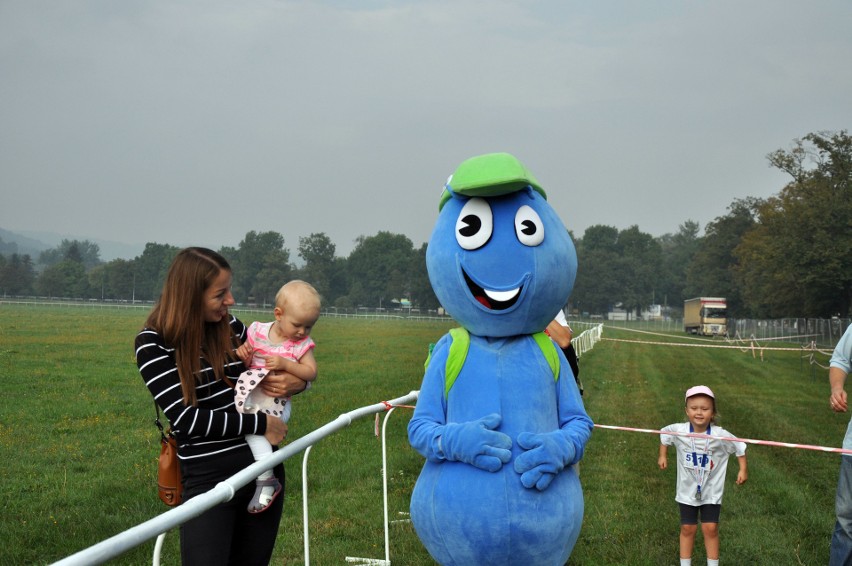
[[465, 515], [486, 525]]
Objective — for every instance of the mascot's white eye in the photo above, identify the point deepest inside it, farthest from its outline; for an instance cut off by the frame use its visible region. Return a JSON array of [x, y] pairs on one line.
[[475, 224], [528, 226]]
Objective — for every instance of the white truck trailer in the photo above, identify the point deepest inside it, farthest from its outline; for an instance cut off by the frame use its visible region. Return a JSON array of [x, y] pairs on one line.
[[707, 316]]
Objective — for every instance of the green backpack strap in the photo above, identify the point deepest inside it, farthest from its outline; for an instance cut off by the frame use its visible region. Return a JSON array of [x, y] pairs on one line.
[[456, 357], [428, 356], [548, 348], [460, 344]]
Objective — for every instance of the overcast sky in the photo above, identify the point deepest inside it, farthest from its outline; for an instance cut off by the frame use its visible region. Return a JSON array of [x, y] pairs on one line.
[[192, 122]]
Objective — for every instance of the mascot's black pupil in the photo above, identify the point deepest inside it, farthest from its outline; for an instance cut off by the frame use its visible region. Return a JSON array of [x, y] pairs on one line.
[[474, 223], [529, 227]]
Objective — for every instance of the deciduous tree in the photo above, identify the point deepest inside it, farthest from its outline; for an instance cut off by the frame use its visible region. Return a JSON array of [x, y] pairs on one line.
[[711, 272], [17, 275], [677, 252], [796, 261], [317, 251], [598, 283], [82, 251], [261, 264], [380, 269]]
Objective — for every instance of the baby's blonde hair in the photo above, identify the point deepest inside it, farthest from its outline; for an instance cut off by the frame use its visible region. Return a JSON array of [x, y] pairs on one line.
[[298, 290]]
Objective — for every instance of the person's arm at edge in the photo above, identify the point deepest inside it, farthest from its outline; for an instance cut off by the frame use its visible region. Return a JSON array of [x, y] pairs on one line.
[[839, 367], [742, 476], [561, 335]]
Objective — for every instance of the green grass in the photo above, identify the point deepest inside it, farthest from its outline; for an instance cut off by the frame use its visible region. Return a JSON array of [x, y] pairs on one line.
[[79, 447]]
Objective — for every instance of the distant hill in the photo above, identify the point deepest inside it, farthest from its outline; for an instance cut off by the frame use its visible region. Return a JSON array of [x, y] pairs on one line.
[[12, 243], [33, 243]]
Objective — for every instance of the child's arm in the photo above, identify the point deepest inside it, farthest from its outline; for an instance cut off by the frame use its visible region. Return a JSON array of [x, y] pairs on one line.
[[244, 352], [742, 476], [662, 460], [305, 368]]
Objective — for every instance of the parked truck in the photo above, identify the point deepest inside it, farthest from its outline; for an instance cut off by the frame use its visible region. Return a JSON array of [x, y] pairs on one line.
[[706, 316]]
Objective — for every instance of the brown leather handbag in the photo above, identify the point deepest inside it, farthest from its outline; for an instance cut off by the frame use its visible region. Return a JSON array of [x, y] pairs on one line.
[[169, 486]]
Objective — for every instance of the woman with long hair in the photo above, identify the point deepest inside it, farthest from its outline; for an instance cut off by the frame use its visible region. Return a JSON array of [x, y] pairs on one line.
[[186, 356]]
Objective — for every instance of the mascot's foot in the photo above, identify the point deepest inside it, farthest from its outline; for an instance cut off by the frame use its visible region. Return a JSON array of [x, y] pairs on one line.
[[266, 491]]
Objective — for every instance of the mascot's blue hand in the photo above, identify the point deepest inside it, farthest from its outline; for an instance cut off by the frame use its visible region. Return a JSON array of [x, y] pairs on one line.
[[477, 443], [545, 456]]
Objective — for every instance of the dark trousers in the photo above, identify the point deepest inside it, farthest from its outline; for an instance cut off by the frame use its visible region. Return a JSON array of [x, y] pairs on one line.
[[228, 534], [840, 553], [571, 356]]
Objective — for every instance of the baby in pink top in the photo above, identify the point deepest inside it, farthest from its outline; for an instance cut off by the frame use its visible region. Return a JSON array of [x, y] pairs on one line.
[[281, 345]]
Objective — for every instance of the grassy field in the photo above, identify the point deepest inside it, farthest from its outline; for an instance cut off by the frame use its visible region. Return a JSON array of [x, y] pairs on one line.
[[79, 446]]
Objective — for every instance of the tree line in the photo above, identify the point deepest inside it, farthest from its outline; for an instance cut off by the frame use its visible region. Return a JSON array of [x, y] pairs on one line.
[[783, 256]]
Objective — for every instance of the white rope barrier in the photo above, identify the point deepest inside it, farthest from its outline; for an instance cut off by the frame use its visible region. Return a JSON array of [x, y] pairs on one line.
[[808, 350], [730, 438], [587, 339], [681, 344]]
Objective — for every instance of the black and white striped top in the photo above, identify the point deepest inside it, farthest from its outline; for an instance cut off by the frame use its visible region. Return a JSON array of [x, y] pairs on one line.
[[214, 425]]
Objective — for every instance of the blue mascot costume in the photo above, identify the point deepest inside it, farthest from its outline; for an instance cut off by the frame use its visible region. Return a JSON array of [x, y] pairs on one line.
[[499, 418]]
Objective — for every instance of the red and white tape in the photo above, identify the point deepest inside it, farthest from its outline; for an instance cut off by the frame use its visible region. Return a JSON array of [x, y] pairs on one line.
[[732, 439], [388, 407]]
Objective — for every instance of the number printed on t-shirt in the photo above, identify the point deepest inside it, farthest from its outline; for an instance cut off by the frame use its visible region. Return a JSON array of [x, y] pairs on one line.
[[697, 460]]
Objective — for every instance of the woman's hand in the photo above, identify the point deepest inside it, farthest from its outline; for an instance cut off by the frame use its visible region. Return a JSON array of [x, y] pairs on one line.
[[282, 384], [276, 430]]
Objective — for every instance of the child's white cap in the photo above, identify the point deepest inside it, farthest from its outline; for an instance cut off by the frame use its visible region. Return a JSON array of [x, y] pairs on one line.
[[699, 390]]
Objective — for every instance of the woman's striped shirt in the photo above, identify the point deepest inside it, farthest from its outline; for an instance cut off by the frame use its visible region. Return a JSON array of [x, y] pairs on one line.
[[213, 426]]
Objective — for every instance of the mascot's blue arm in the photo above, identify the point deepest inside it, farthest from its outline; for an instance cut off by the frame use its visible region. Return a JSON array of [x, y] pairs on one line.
[[573, 419], [429, 417]]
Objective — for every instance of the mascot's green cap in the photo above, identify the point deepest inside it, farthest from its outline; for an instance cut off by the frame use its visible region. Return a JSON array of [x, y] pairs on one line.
[[489, 175]]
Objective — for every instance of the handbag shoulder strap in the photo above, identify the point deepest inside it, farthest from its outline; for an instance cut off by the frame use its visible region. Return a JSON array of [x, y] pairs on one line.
[[163, 432]]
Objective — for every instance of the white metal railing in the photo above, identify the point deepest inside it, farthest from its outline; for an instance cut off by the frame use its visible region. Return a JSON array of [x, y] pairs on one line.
[[223, 491]]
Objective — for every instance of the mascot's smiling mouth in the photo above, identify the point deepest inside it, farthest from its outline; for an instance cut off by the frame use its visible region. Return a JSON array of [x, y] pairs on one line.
[[490, 299]]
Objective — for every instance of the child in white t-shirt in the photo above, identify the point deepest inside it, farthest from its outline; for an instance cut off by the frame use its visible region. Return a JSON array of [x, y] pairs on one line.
[[702, 463]]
